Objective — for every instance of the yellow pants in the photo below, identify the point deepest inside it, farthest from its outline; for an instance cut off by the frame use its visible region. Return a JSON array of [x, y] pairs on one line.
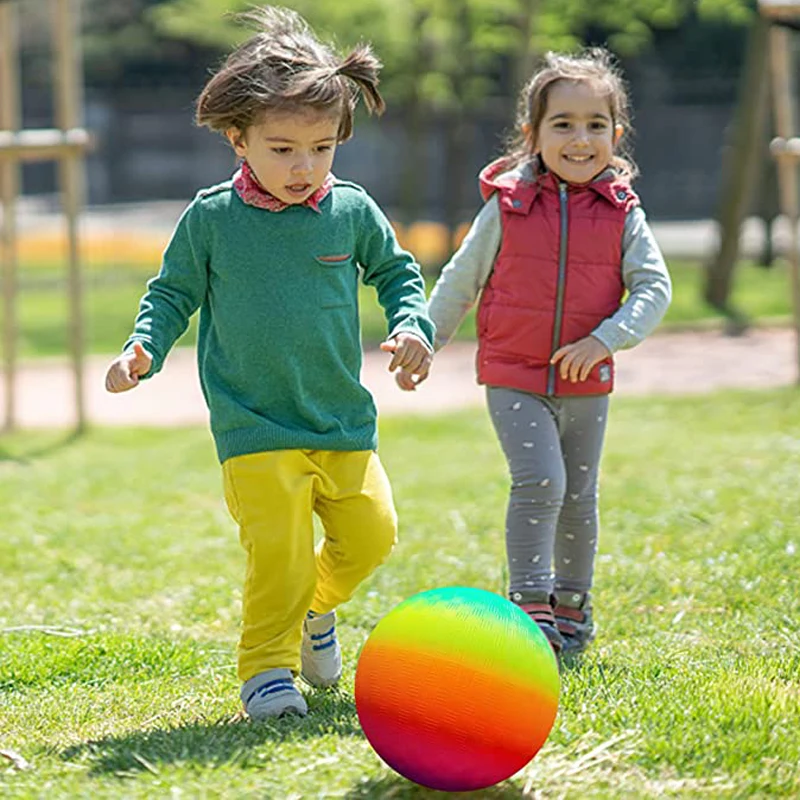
[[272, 496]]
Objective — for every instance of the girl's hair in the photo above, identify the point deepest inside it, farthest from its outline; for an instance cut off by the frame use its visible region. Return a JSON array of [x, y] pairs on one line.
[[286, 69], [595, 67]]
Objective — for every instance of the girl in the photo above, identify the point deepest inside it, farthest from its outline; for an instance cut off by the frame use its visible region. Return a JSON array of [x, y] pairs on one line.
[[272, 258], [552, 253]]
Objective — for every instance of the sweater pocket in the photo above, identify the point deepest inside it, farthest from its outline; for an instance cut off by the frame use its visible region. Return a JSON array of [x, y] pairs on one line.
[[337, 280]]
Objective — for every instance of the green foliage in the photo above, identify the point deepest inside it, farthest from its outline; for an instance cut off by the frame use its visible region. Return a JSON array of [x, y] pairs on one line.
[[449, 53], [120, 610]]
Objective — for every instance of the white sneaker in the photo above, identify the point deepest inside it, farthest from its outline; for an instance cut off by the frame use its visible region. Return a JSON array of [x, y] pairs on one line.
[[272, 694], [321, 656]]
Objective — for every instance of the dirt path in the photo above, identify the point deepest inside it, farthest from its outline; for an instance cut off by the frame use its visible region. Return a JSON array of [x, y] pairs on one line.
[[672, 363]]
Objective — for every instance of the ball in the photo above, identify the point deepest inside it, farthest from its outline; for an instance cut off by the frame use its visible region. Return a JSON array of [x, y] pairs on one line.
[[456, 689]]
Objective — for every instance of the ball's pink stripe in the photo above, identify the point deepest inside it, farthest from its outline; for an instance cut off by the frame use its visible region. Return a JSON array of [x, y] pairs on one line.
[[444, 759]]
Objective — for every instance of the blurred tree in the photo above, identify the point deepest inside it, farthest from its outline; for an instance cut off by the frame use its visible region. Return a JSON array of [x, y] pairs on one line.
[[122, 45], [744, 160]]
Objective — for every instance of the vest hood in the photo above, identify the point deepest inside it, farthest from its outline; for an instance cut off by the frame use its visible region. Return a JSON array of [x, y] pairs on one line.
[[518, 186]]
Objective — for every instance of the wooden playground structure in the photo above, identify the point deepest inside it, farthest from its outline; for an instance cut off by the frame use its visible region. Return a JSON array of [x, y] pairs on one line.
[[67, 144], [785, 147]]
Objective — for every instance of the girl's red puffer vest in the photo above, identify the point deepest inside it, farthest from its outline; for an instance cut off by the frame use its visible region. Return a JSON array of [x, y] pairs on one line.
[[557, 276]]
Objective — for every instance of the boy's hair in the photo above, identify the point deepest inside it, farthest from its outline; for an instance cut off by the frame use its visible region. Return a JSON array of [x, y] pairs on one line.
[[284, 68], [593, 66]]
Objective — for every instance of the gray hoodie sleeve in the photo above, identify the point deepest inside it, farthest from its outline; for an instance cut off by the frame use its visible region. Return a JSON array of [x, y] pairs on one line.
[[646, 278], [466, 273]]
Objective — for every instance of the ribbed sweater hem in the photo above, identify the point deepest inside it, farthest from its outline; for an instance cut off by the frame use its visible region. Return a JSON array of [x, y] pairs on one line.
[[257, 440]]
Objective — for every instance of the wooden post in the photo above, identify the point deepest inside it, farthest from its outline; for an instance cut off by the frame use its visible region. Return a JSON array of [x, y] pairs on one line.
[[9, 189], [68, 104], [785, 127]]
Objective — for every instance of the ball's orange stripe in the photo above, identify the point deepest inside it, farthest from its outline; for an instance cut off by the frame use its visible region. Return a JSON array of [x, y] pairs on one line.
[[456, 695], [382, 659]]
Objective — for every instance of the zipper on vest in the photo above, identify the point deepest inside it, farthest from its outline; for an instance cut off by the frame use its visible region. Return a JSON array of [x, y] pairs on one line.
[[562, 279]]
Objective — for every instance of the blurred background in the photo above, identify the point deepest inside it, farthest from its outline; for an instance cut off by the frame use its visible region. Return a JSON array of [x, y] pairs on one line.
[[453, 69], [452, 72]]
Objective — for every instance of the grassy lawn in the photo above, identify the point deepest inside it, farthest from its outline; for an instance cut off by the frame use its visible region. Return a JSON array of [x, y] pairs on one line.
[[112, 299], [121, 579]]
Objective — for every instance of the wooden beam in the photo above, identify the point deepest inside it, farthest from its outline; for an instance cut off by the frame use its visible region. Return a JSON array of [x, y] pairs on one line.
[[44, 144], [785, 148], [9, 189], [779, 9]]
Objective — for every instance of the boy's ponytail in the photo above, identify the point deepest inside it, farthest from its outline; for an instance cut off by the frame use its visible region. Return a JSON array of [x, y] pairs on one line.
[[361, 66], [356, 73]]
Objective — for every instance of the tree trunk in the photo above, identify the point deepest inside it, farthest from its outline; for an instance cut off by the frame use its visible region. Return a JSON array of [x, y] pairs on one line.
[[412, 184], [457, 129], [526, 55], [740, 166], [456, 123]]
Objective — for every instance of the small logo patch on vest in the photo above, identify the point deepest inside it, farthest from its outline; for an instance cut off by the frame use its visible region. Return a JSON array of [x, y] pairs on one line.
[[604, 373]]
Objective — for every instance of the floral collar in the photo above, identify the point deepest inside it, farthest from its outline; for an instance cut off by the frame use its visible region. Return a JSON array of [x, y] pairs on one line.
[[252, 193]]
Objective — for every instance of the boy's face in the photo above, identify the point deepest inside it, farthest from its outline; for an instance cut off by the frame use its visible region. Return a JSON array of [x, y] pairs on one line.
[[290, 154], [577, 135]]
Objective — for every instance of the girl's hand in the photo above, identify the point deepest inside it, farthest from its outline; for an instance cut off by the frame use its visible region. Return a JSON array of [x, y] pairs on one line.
[[408, 353], [578, 359], [125, 370]]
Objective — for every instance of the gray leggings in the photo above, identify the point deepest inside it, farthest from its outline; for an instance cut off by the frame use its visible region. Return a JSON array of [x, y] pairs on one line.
[[553, 447]]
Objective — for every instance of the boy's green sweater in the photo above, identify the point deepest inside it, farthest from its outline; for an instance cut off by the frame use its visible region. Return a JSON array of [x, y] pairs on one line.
[[279, 342]]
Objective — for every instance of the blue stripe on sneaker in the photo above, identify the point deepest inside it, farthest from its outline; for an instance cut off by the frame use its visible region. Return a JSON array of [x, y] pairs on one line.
[[322, 635], [273, 687], [277, 682], [324, 646]]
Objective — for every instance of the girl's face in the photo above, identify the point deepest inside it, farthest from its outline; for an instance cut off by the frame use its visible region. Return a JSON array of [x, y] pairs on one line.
[[576, 136], [290, 154]]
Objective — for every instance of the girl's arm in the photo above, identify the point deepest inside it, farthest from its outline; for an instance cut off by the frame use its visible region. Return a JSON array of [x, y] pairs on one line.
[[466, 273], [175, 293], [647, 280]]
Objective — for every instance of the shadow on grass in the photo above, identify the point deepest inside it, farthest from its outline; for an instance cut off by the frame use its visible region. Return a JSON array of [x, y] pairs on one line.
[[399, 788], [43, 446], [227, 741]]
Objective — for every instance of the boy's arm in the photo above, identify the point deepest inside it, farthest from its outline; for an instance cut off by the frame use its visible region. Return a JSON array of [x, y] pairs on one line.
[[175, 293], [463, 277], [647, 280], [395, 275]]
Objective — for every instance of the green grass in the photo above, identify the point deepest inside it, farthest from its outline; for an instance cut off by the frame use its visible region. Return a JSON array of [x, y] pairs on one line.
[[111, 303], [121, 575]]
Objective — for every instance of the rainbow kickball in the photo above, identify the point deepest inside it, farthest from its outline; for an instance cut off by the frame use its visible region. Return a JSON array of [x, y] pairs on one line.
[[457, 689]]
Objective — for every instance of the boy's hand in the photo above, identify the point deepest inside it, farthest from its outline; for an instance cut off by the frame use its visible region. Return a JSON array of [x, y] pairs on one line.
[[408, 353], [125, 370], [578, 359]]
